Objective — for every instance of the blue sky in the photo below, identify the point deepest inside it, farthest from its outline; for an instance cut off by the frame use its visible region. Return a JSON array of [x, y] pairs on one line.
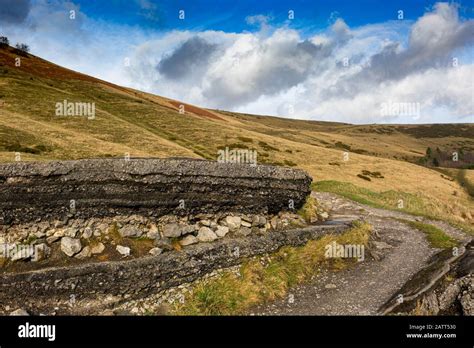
[[230, 16], [336, 60]]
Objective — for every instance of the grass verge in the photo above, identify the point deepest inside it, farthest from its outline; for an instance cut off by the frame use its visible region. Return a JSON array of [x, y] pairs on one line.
[[309, 210], [263, 279], [436, 237], [390, 200], [386, 200]]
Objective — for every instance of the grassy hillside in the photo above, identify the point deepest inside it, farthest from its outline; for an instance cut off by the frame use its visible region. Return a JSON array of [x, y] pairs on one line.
[[144, 125]]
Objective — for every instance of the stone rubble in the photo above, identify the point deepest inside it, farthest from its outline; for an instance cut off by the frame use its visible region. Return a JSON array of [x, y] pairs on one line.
[[123, 250], [88, 238], [70, 246]]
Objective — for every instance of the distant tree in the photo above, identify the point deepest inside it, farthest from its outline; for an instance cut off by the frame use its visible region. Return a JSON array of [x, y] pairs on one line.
[[435, 162], [23, 47], [4, 41], [428, 151]]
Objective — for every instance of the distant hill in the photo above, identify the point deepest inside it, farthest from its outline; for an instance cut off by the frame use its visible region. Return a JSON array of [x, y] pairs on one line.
[[140, 124]]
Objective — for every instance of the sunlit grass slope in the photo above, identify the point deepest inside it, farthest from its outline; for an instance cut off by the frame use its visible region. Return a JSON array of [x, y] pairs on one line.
[[144, 125]]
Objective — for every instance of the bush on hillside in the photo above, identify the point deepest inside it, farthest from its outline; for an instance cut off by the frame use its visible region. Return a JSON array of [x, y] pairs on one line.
[[23, 47]]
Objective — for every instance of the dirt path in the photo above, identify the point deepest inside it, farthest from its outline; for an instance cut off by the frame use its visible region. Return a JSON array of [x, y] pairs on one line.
[[362, 289]]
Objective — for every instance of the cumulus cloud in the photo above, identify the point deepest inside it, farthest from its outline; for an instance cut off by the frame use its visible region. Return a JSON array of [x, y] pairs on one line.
[[73, 40], [433, 39], [255, 66], [187, 59], [342, 73]]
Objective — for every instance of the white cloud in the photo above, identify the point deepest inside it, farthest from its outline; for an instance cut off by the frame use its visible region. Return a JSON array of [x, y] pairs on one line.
[[277, 71], [282, 73]]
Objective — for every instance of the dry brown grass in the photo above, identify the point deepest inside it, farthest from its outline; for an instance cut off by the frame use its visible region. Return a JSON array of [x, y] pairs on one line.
[[144, 125], [263, 279]]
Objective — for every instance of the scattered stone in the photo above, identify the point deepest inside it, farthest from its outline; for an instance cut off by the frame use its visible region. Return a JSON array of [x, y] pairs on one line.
[[187, 229], [205, 234], [205, 223], [19, 312], [101, 228], [57, 235], [71, 232], [39, 234], [299, 221], [153, 232], [171, 230], [87, 233], [330, 286], [164, 243], [188, 240], [221, 231], [155, 251], [123, 250], [52, 239], [84, 253], [259, 221], [130, 231], [274, 222], [244, 231], [70, 246], [467, 303], [233, 222], [324, 215], [97, 248], [203, 216], [246, 223], [43, 226], [255, 220], [246, 218]]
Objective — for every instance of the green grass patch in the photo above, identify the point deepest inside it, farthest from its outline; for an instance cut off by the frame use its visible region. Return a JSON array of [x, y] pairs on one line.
[[436, 237], [462, 179], [386, 200], [412, 204], [263, 279], [309, 210]]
